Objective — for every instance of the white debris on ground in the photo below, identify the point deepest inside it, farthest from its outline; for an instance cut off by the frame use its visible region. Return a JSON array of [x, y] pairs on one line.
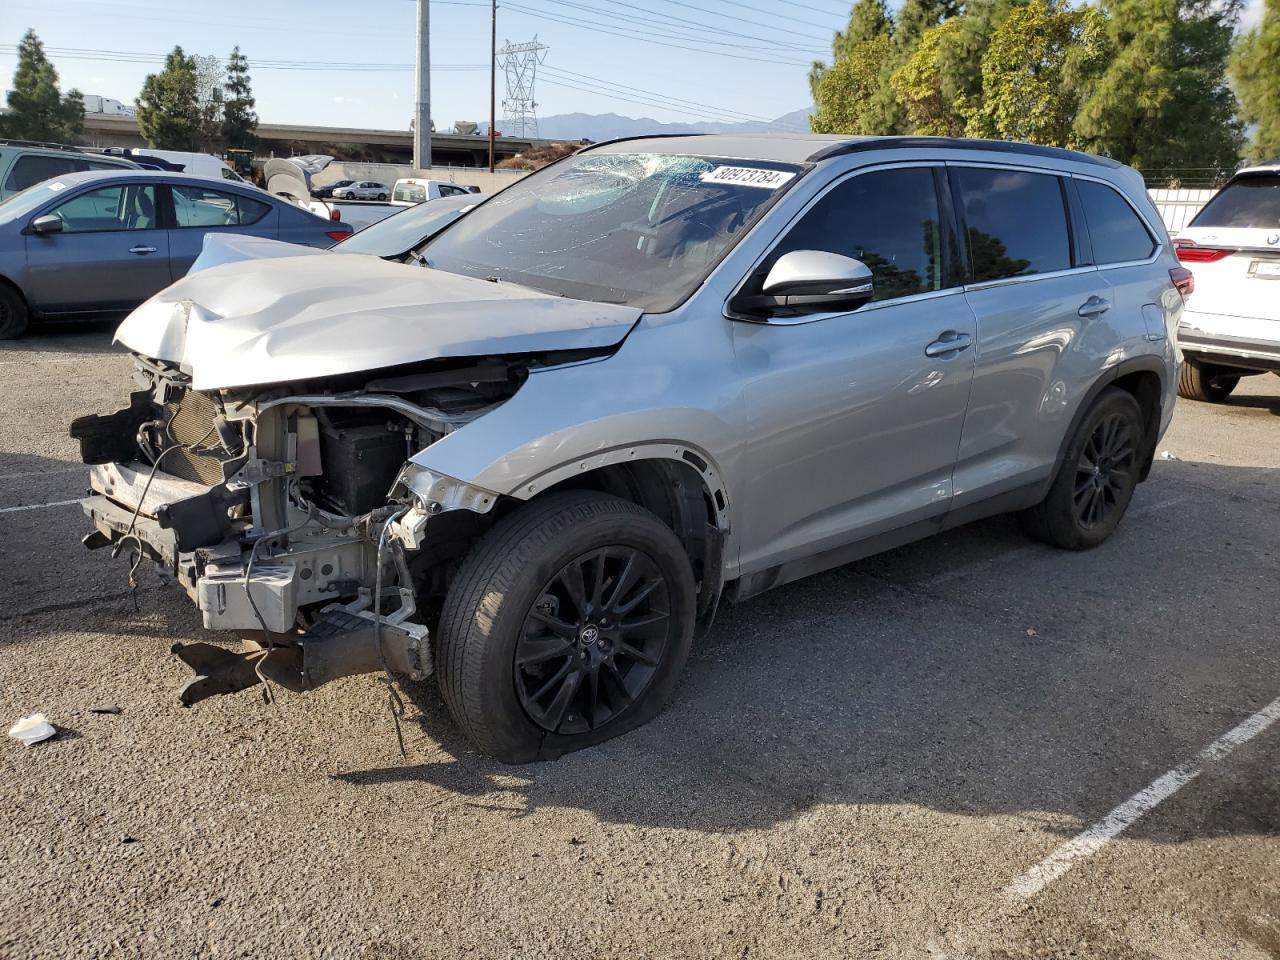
[[33, 729]]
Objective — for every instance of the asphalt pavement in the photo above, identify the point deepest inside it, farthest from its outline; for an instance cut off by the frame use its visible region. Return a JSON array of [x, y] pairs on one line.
[[894, 759]]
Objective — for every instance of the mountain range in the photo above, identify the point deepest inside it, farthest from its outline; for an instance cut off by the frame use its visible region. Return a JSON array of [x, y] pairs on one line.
[[609, 126]]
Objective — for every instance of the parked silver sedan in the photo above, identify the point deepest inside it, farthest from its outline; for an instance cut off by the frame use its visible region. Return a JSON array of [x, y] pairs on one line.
[[362, 190]]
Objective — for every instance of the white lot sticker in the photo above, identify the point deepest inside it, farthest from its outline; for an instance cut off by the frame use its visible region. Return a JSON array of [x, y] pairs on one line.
[[748, 177], [57, 185]]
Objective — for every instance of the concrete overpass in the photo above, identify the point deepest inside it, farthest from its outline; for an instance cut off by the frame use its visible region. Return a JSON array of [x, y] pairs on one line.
[[343, 143]]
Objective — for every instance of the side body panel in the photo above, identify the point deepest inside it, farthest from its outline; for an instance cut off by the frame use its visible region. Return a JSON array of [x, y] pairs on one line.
[[108, 270]]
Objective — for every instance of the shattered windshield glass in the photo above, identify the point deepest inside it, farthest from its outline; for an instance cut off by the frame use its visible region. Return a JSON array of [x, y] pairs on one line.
[[636, 229]]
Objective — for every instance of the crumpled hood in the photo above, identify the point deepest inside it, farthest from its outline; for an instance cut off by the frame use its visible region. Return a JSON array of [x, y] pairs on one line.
[[294, 318]]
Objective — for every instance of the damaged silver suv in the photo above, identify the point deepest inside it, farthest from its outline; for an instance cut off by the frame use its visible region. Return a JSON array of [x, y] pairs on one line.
[[533, 458]]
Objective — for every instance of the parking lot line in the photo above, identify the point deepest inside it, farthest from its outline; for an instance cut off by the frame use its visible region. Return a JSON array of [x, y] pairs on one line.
[[1122, 817], [38, 506]]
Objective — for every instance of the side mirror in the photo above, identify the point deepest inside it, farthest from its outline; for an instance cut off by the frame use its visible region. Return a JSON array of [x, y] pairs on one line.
[[49, 223], [810, 281]]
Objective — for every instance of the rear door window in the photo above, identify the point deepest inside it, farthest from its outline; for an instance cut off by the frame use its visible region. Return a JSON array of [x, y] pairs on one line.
[[195, 206], [889, 220], [1016, 221], [1117, 233], [1252, 201], [36, 168]]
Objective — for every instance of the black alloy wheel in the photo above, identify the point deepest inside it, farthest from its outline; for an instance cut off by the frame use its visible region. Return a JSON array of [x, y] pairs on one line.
[[1105, 469], [1097, 474], [593, 640]]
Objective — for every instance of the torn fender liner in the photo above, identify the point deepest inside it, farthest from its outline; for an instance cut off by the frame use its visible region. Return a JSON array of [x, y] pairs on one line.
[[113, 437], [339, 644]]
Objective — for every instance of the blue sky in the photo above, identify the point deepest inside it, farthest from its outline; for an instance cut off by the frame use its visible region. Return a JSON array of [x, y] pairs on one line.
[[590, 67], [381, 32]]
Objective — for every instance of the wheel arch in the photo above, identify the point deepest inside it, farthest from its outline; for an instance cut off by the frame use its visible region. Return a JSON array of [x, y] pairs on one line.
[[1143, 378], [676, 482]]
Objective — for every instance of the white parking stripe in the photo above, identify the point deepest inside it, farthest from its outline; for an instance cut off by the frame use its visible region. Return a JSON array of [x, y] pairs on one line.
[[38, 506], [1123, 816], [963, 571]]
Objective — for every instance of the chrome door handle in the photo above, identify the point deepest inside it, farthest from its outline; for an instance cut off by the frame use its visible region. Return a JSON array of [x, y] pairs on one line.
[[949, 343], [141, 250], [1094, 307]]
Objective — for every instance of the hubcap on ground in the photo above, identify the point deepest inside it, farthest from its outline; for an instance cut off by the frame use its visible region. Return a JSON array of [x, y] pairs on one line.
[[593, 640], [1104, 472]]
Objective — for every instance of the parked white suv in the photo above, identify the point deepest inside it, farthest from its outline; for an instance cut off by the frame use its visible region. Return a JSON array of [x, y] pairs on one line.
[[1231, 327]]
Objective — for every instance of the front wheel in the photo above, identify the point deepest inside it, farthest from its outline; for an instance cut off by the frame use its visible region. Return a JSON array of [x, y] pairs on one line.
[[1206, 381], [1096, 478], [14, 316], [568, 624], [382, 197]]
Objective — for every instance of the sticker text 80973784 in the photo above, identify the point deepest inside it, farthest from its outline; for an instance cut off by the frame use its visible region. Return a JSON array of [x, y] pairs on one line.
[[748, 177]]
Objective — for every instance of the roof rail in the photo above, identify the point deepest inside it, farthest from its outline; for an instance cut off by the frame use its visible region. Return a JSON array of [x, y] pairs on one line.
[[958, 143], [40, 143], [639, 136]]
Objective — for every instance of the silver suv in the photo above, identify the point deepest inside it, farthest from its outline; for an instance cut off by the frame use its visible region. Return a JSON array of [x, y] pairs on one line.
[[662, 372]]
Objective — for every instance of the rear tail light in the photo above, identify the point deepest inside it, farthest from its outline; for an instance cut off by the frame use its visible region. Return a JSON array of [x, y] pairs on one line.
[[1189, 251], [337, 236], [335, 213], [1184, 280]]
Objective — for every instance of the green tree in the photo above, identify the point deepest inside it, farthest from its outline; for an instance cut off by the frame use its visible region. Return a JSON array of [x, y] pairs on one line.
[[960, 50], [933, 106], [1255, 68], [868, 19], [169, 106], [915, 17], [1162, 103], [1032, 70], [239, 120], [37, 110], [845, 92]]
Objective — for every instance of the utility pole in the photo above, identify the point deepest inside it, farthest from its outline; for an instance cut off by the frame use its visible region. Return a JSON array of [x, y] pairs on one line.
[[422, 108], [493, 75]]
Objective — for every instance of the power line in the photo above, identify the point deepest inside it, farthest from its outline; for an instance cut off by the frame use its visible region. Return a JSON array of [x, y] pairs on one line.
[[780, 16], [698, 28], [653, 98], [122, 56], [588, 25]]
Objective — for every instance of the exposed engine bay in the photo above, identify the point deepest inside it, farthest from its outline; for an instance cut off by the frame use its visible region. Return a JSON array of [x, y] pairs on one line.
[[289, 513]]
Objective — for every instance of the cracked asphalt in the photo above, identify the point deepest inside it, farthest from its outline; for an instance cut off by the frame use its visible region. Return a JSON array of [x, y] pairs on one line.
[[855, 765]]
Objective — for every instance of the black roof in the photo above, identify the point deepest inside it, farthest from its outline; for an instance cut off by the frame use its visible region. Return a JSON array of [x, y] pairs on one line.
[[958, 143]]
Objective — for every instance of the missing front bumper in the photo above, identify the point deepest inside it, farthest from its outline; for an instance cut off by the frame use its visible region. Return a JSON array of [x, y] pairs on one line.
[[341, 643]]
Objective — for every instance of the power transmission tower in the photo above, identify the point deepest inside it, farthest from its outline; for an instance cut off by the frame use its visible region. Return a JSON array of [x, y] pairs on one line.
[[519, 62]]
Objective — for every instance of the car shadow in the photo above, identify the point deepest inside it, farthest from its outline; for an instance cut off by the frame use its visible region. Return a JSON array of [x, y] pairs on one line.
[[975, 673], [91, 336]]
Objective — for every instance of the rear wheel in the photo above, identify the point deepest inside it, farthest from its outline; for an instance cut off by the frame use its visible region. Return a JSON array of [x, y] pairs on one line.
[[382, 196], [14, 316], [1096, 478], [568, 624], [1206, 381]]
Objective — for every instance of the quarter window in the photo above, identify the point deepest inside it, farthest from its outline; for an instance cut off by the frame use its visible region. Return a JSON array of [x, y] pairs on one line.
[[1017, 222], [131, 207], [1116, 232], [199, 207], [888, 219]]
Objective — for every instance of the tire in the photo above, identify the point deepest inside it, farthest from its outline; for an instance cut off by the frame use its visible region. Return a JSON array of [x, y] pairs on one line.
[[512, 600], [1097, 476], [1206, 381], [382, 197], [14, 315]]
